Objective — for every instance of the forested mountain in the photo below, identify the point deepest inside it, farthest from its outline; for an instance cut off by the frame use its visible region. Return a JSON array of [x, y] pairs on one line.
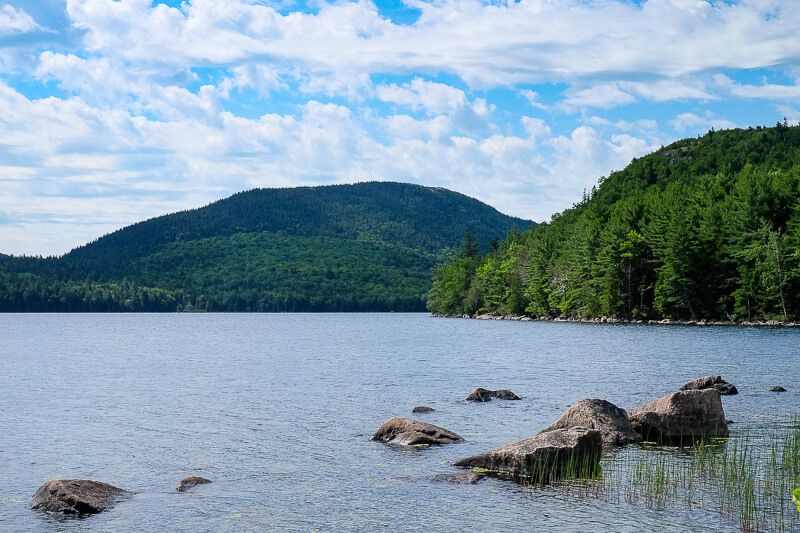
[[703, 228], [363, 247]]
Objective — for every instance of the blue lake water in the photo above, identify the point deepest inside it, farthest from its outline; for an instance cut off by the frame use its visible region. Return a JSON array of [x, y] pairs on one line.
[[278, 411]]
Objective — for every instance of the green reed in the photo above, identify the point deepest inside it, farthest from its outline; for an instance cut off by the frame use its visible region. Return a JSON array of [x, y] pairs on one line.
[[747, 478]]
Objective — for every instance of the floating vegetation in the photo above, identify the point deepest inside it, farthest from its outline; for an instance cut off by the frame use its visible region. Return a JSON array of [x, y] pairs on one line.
[[751, 479]]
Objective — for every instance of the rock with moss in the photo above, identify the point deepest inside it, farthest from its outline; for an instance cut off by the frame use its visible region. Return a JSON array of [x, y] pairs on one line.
[[408, 432], [612, 421], [547, 456], [77, 497]]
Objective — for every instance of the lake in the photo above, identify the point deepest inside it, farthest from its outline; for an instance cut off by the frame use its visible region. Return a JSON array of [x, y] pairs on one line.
[[278, 410]]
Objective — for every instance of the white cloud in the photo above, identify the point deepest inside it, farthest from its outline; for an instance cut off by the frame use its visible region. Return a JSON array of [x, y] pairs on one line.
[[695, 123], [89, 170], [770, 91], [487, 45], [15, 21], [434, 98]]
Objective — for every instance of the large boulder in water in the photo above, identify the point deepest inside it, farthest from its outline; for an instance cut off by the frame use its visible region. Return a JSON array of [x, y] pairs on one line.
[[545, 457], [76, 496], [602, 415], [681, 417], [485, 395], [711, 382], [408, 432]]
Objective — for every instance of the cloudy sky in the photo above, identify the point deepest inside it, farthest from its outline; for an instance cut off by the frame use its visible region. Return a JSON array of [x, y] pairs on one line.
[[112, 111]]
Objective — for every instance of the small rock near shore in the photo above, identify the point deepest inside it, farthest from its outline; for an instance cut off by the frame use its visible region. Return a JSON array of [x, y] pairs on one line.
[[485, 395], [76, 497], [408, 432], [777, 388], [192, 481], [711, 382], [422, 409]]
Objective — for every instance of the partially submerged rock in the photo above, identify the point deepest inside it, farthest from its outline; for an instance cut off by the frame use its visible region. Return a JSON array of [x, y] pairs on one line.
[[681, 417], [602, 415], [545, 457], [192, 481], [460, 478], [485, 395], [76, 497], [777, 388], [408, 432], [422, 409], [711, 382]]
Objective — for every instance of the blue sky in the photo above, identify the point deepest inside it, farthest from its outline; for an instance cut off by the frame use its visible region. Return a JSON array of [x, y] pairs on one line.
[[113, 111]]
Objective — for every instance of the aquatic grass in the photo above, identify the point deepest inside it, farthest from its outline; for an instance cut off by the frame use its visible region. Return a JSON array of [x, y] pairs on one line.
[[748, 478]]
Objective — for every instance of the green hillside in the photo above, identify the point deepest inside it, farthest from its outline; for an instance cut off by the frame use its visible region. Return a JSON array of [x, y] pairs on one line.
[[703, 228], [362, 247]]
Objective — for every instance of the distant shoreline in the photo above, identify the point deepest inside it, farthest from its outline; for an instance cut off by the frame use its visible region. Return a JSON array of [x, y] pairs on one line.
[[613, 320]]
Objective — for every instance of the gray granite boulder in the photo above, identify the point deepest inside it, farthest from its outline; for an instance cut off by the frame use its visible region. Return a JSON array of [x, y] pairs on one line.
[[681, 417], [543, 458], [408, 432], [485, 395], [602, 415], [711, 382], [76, 497]]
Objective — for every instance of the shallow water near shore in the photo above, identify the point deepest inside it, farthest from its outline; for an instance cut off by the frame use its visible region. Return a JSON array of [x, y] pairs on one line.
[[278, 411]]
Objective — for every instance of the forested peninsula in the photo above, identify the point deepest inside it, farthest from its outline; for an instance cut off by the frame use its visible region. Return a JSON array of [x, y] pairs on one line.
[[363, 247], [705, 228]]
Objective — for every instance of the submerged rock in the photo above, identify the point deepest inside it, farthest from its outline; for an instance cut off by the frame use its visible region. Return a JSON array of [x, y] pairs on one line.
[[545, 457], [485, 395], [422, 409], [461, 478], [192, 481], [777, 388], [602, 415], [711, 382], [76, 497], [681, 417], [408, 432]]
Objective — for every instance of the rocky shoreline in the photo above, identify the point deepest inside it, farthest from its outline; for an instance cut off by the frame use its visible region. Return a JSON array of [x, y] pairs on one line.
[[614, 320]]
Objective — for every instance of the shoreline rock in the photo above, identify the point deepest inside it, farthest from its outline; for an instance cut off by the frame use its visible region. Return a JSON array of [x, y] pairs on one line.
[[408, 432], [423, 409], [615, 320], [77, 497]]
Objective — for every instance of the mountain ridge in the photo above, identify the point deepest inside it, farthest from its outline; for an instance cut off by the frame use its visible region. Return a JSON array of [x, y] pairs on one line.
[[364, 246]]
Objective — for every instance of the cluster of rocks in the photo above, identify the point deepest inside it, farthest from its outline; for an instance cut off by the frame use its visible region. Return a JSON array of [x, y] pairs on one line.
[[573, 444], [81, 497], [615, 320]]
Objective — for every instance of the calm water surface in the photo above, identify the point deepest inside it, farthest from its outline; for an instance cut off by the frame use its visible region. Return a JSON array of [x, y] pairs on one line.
[[278, 410]]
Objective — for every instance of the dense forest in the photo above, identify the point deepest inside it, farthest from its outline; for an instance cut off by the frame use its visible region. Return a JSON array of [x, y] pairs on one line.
[[706, 228], [364, 247]]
